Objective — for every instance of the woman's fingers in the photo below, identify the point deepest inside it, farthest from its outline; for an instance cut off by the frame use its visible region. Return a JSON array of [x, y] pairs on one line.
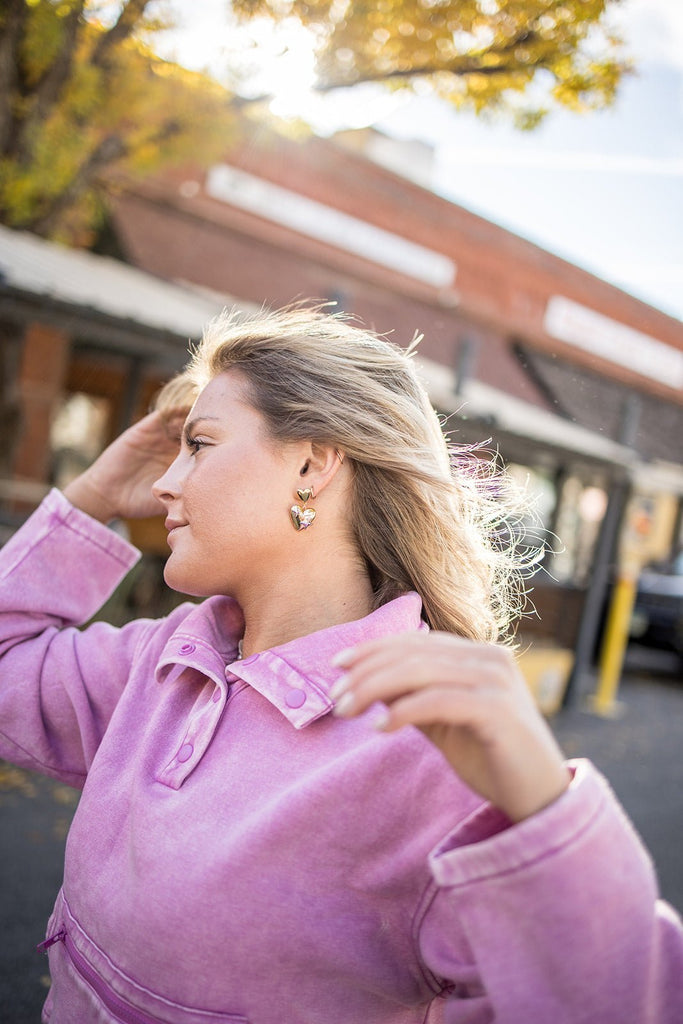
[[387, 670], [421, 651], [435, 705], [411, 642]]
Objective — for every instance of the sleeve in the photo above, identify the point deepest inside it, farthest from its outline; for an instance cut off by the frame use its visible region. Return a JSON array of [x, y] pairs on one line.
[[58, 684], [555, 919]]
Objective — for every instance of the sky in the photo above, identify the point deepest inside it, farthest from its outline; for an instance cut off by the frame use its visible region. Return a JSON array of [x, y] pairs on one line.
[[603, 190]]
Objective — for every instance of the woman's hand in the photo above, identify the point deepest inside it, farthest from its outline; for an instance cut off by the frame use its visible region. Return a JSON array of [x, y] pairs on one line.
[[471, 701], [119, 482]]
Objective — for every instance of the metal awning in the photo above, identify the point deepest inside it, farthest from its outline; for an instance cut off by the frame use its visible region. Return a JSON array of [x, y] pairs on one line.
[[542, 430], [76, 283]]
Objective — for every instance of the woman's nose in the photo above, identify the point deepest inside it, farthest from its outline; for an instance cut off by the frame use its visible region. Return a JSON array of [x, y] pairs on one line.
[[168, 486]]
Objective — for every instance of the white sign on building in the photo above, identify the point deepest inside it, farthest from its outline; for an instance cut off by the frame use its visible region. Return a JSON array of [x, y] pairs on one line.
[[326, 224], [578, 325]]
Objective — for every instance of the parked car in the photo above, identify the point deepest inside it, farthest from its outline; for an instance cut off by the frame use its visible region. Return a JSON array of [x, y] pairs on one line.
[[657, 618]]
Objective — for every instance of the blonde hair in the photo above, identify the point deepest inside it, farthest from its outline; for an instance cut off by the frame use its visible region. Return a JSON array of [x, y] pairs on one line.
[[427, 515]]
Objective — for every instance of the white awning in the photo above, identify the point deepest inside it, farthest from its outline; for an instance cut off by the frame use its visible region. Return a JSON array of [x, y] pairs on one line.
[[81, 278]]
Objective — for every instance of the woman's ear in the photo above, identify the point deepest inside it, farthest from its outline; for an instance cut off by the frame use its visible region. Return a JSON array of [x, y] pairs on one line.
[[320, 466]]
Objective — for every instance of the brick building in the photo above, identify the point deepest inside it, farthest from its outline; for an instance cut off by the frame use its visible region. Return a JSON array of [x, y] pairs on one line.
[[578, 384]]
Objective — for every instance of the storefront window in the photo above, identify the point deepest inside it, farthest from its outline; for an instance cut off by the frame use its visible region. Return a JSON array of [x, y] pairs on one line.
[[534, 528], [78, 434], [581, 511]]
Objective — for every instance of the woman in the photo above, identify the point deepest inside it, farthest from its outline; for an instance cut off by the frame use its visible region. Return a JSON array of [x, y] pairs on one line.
[[259, 836]]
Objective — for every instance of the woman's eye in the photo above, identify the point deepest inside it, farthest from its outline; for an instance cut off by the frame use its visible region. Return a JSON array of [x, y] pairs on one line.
[[194, 444]]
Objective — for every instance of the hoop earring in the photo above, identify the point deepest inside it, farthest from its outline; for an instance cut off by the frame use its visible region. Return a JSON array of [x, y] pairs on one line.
[[301, 516]]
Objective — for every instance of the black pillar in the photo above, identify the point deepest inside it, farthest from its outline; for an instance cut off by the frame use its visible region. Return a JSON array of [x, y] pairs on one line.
[[131, 394], [603, 558]]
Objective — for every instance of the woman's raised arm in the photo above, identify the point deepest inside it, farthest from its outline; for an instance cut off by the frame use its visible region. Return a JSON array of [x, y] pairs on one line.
[[59, 684]]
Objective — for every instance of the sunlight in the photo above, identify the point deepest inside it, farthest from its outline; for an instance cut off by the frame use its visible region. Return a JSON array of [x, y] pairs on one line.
[[275, 62], [278, 61], [282, 63]]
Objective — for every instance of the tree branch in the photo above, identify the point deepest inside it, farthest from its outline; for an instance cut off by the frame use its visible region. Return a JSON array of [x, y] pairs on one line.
[[49, 89], [12, 25], [460, 66], [111, 148], [127, 21], [423, 71]]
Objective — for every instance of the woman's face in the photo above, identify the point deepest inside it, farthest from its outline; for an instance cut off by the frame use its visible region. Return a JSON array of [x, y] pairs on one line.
[[227, 495]]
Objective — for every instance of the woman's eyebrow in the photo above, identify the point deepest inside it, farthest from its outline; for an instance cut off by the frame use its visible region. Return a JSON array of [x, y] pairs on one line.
[[192, 424]]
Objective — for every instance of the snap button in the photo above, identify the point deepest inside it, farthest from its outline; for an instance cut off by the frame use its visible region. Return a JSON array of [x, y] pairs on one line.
[[295, 698], [185, 752], [186, 648]]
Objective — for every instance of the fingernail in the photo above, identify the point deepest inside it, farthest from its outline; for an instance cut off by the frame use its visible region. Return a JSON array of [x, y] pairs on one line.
[[341, 658], [380, 720], [341, 686], [344, 705]]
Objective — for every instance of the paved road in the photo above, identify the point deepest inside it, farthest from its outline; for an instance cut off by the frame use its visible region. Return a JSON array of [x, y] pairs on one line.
[[641, 753], [35, 814]]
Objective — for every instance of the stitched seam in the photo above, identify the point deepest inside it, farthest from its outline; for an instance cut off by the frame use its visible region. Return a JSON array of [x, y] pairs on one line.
[[235, 688], [43, 764], [13, 566], [528, 863], [49, 529], [75, 528], [423, 907], [127, 978]]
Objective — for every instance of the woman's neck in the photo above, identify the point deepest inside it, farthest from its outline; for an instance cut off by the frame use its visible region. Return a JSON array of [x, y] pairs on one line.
[[304, 602]]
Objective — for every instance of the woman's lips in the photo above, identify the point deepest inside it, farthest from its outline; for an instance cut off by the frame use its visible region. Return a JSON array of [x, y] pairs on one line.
[[173, 526]]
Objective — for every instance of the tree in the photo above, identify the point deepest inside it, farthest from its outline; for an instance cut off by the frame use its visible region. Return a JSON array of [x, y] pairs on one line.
[[487, 55], [78, 98], [83, 93]]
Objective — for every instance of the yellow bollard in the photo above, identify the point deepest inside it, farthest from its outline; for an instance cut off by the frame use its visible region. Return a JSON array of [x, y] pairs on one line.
[[603, 701], [546, 670]]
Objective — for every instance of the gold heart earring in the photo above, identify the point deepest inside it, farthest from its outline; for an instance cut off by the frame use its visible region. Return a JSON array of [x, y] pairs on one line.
[[302, 517]]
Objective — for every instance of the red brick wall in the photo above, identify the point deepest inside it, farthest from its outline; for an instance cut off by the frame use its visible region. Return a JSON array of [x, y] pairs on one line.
[[42, 372]]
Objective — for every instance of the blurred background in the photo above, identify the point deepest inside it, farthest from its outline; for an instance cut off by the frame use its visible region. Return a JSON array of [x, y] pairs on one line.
[[503, 177]]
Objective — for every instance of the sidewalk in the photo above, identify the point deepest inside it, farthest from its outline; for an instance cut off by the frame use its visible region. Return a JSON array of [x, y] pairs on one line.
[[641, 753]]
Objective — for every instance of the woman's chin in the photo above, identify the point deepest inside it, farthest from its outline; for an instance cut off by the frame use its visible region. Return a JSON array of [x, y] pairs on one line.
[[175, 578], [185, 582]]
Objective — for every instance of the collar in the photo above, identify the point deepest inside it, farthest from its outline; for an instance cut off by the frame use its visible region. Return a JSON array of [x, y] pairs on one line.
[[295, 677]]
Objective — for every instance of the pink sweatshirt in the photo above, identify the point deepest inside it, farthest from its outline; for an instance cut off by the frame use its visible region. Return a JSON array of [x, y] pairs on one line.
[[239, 854]]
